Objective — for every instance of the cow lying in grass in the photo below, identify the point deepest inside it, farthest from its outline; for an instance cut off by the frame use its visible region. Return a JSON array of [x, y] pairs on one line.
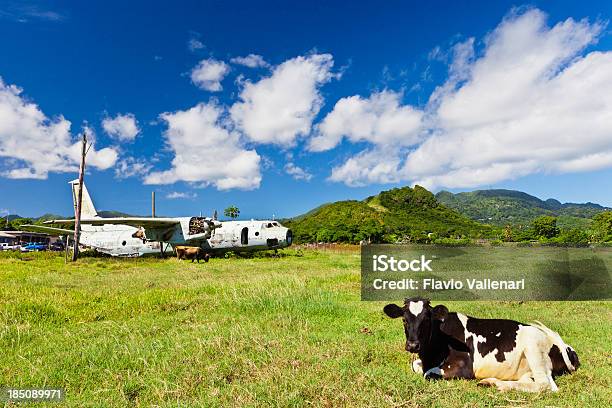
[[501, 353], [193, 253]]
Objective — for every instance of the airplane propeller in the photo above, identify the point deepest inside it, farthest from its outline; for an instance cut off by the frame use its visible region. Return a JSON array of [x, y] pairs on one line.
[[213, 223]]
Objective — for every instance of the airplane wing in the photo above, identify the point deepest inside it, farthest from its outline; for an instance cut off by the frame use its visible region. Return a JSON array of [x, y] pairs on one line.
[[47, 230], [157, 229], [147, 223]]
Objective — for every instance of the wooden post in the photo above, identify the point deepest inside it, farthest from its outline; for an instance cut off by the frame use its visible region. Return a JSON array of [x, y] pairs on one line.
[[153, 204], [77, 215]]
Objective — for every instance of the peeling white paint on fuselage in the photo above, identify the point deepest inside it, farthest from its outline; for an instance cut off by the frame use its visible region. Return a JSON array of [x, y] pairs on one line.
[[116, 240]]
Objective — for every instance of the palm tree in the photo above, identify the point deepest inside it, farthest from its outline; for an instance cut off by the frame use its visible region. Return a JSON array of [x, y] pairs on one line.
[[232, 211]]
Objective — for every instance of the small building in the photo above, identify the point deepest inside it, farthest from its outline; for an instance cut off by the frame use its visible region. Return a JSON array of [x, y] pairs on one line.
[[24, 237]]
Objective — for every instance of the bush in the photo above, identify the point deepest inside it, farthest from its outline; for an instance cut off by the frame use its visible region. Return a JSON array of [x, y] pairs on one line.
[[545, 227], [602, 227], [524, 235], [574, 236]]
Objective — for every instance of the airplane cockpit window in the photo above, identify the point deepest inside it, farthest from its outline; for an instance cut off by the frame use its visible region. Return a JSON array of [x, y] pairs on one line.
[[269, 225], [276, 224]]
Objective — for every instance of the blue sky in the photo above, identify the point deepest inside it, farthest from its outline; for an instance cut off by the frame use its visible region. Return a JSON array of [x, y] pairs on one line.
[[344, 100]]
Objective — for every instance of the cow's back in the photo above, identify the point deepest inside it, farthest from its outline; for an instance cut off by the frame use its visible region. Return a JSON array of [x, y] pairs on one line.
[[498, 345]]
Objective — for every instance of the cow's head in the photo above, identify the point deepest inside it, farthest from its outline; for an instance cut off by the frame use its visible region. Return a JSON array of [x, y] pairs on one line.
[[419, 317]]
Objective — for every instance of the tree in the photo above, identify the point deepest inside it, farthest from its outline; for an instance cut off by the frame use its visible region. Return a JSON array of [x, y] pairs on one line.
[[546, 227], [602, 227], [232, 211], [574, 236]]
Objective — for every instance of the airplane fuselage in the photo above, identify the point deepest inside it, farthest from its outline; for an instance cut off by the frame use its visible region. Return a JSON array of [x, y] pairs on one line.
[[117, 240]]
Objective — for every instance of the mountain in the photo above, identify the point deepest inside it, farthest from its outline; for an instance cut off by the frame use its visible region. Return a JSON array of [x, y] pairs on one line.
[[400, 214], [502, 207], [47, 217]]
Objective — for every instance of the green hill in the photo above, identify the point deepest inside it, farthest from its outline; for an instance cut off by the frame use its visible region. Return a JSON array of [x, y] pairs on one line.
[[502, 207], [401, 214], [47, 217]]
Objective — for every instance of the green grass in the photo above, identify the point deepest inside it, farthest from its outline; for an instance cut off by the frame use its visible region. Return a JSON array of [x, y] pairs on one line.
[[248, 332]]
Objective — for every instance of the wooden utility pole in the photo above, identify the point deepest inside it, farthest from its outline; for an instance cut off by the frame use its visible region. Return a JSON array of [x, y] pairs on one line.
[[77, 215]]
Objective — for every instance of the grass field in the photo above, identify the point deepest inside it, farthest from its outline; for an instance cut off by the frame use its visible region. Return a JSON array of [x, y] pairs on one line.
[[287, 331]]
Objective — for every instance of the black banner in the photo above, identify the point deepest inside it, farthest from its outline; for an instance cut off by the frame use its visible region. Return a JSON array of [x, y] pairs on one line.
[[391, 272]]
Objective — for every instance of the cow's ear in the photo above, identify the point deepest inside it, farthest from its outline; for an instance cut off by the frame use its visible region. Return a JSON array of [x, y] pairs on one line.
[[393, 311], [440, 312]]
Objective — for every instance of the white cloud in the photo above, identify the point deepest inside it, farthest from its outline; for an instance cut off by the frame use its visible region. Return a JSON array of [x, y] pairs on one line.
[[251, 61], [297, 172], [531, 102], [34, 145], [379, 119], [194, 44], [279, 108], [209, 73], [121, 127], [377, 165], [132, 167], [174, 195], [206, 152]]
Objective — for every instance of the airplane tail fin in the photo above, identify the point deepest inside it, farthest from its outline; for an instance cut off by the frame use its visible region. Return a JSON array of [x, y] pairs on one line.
[[87, 208]]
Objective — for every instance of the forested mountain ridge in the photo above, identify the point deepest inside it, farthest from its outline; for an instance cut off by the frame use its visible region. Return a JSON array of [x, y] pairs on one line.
[[503, 207]]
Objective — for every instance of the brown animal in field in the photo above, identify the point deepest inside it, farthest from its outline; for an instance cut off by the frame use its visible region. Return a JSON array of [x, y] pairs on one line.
[[140, 234], [193, 253]]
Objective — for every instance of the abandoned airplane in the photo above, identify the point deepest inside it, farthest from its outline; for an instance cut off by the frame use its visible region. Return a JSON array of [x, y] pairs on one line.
[[136, 236]]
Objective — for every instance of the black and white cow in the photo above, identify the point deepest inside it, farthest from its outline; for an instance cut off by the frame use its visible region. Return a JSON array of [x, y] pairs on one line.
[[502, 353]]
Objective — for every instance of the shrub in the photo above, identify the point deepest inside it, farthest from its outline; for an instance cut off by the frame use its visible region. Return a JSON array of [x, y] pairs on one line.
[[546, 227]]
